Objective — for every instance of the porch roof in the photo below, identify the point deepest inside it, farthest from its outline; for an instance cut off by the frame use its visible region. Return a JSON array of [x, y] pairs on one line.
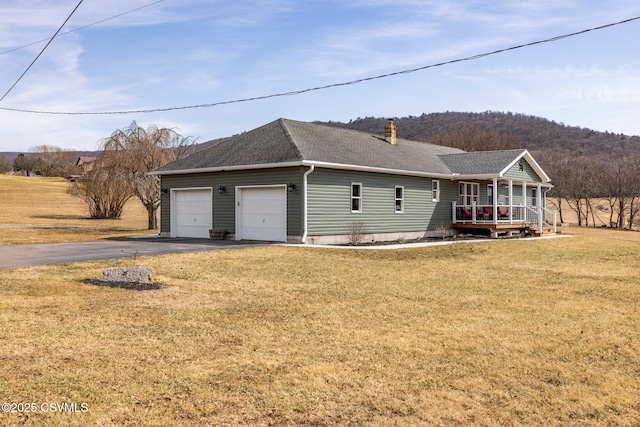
[[480, 162], [490, 163]]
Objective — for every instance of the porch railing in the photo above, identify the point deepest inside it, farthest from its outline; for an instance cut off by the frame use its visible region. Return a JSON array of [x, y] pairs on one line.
[[533, 216]]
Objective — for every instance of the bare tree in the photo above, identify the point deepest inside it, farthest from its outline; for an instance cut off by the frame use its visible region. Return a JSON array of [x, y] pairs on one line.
[[580, 186], [134, 151], [470, 137], [633, 189], [104, 191], [622, 180], [5, 164], [25, 163], [556, 164], [53, 160]]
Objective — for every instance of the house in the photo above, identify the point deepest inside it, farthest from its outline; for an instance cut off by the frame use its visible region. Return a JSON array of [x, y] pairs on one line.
[[293, 181], [85, 164]]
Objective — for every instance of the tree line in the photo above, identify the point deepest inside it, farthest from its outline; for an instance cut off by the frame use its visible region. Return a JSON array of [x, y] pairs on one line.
[[591, 185], [44, 160]]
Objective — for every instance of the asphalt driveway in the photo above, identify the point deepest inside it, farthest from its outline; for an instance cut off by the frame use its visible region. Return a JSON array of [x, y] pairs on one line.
[[17, 256]]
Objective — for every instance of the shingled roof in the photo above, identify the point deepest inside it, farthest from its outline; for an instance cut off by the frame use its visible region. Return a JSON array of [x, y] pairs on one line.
[[285, 142], [481, 162]]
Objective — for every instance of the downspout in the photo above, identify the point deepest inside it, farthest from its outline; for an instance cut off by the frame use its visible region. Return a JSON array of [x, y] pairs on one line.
[[304, 196]]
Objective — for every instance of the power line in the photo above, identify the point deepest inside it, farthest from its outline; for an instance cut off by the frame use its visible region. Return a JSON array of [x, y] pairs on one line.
[[317, 88], [42, 51], [83, 27]]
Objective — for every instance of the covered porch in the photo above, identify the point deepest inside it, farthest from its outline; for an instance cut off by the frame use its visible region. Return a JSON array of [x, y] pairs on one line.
[[509, 206]]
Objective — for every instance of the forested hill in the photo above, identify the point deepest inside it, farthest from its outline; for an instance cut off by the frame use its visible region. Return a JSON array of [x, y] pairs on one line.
[[530, 132]]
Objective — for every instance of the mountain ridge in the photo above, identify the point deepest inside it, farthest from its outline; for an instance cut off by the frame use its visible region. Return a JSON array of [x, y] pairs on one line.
[[531, 132]]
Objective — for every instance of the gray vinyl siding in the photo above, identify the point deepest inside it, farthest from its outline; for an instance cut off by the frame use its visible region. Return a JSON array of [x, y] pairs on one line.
[[224, 213], [329, 198], [528, 174], [503, 194], [442, 211]]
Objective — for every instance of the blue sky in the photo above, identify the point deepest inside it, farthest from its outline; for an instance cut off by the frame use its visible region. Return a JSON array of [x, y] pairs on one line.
[[186, 52]]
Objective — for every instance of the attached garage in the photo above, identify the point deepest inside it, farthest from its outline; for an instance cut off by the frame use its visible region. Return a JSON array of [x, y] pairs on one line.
[[191, 212], [261, 213]]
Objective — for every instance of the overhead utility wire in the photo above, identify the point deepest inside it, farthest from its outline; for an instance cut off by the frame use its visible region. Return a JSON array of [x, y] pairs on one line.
[[298, 92], [83, 27], [42, 51]]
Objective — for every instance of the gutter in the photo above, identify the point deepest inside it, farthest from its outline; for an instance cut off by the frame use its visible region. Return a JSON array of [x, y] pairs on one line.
[[327, 165], [379, 170], [226, 168], [306, 210]]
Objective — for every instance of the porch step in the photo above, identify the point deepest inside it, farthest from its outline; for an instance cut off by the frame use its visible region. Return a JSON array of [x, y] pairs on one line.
[[536, 233]]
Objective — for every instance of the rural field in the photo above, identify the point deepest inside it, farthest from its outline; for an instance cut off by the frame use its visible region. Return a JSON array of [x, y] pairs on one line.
[[510, 332], [38, 210]]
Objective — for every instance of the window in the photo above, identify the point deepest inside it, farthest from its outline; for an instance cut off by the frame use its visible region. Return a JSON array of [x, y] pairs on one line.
[[435, 190], [490, 194], [534, 196], [399, 199], [356, 197], [469, 193]]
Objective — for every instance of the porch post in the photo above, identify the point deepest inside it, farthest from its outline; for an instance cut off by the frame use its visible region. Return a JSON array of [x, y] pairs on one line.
[[524, 201], [453, 212], [495, 200], [539, 191], [473, 211], [510, 201], [539, 208]]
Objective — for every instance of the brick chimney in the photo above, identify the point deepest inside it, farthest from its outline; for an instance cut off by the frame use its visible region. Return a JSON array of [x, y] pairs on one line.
[[390, 132]]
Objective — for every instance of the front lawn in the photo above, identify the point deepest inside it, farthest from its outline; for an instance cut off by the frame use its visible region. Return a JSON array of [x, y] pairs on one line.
[[501, 333]]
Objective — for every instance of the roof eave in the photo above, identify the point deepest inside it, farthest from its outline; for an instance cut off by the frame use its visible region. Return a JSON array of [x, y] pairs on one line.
[[318, 164], [374, 169], [339, 166], [226, 168]]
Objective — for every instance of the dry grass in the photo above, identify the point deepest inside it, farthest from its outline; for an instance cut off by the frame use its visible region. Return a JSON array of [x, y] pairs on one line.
[[500, 333], [38, 210]]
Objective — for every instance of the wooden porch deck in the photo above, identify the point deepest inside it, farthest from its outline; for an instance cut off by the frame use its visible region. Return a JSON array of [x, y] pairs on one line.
[[500, 228]]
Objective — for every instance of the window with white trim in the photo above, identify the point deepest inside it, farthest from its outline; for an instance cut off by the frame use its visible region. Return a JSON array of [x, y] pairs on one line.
[[399, 199], [435, 190], [356, 197], [469, 193]]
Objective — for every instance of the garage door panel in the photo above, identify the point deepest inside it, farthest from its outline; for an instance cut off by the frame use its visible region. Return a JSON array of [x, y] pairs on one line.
[[263, 214], [192, 213]]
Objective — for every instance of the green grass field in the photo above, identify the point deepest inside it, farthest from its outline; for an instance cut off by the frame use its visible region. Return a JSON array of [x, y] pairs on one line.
[[515, 332]]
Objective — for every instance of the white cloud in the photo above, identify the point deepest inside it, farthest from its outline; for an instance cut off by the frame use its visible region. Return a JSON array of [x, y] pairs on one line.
[[197, 51]]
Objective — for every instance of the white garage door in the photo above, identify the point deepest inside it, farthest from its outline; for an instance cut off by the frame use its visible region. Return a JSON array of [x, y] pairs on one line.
[[192, 213], [263, 214]]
